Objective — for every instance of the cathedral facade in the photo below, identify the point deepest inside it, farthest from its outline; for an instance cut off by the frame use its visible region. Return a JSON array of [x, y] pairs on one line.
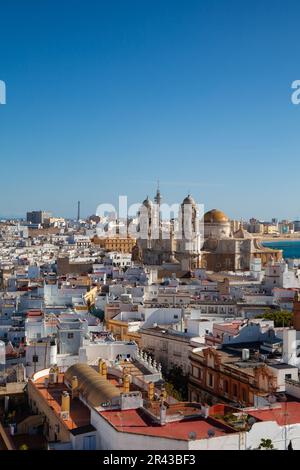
[[174, 244], [170, 245]]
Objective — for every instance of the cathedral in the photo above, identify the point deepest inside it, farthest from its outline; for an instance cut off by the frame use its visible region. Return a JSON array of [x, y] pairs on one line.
[[173, 247], [217, 248], [225, 250]]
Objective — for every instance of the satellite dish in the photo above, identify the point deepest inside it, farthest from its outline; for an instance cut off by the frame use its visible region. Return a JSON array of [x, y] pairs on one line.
[[211, 433], [192, 435]]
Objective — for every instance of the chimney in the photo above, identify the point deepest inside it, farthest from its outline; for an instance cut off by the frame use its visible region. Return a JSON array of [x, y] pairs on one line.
[[163, 395], [150, 391], [163, 414], [126, 383], [74, 385], [78, 211], [65, 405], [205, 411], [102, 368]]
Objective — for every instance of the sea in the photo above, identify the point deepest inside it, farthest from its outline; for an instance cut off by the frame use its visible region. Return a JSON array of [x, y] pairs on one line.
[[291, 248]]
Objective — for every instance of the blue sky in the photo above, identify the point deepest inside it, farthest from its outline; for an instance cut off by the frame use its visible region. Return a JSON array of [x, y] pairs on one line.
[[105, 97]]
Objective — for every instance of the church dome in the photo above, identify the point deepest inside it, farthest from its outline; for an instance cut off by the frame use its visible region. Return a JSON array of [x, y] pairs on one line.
[[147, 203], [215, 216], [189, 200]]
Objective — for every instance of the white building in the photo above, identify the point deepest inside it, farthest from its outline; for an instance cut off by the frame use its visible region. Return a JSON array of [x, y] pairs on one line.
[[277, 274]]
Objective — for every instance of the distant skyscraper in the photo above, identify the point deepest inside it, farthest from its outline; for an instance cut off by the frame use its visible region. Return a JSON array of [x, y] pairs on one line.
[[37, 217]]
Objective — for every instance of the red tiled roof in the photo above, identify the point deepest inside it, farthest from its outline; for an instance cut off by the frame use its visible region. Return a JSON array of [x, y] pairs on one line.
[[232, 328], [34, 313]]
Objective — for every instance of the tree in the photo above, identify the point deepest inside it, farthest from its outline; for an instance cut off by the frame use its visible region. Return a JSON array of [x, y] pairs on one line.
[[23, 447], [280, 317], [266, 444], [171, 390], [177, 383]]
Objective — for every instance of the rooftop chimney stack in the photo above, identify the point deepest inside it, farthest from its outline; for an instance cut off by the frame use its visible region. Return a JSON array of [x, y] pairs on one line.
[[126, 383], [163, 414], [102, 368], [74, 386], [150, 391], [65, 405]]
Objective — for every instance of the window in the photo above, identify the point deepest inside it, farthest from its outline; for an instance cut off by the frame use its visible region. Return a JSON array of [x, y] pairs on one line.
[[70, 335], [244, 395], [225, 386], [234, 390], [35, 358], [196, 373], [288, 376], [210, 380]]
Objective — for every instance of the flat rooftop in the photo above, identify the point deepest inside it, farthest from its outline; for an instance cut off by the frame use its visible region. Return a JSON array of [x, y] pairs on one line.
[[281, 365], [137, 422]]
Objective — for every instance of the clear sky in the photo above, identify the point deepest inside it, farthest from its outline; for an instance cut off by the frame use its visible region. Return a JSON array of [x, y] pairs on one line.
[[105, 97]]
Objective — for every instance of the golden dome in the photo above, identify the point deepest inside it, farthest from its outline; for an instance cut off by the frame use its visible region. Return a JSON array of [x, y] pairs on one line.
[[215, 216]]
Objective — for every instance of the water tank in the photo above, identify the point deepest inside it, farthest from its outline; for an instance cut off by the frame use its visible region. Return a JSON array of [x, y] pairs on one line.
[[245, 354]]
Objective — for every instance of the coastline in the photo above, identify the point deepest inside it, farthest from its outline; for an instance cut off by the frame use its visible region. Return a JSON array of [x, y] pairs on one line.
[[281, 238]]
